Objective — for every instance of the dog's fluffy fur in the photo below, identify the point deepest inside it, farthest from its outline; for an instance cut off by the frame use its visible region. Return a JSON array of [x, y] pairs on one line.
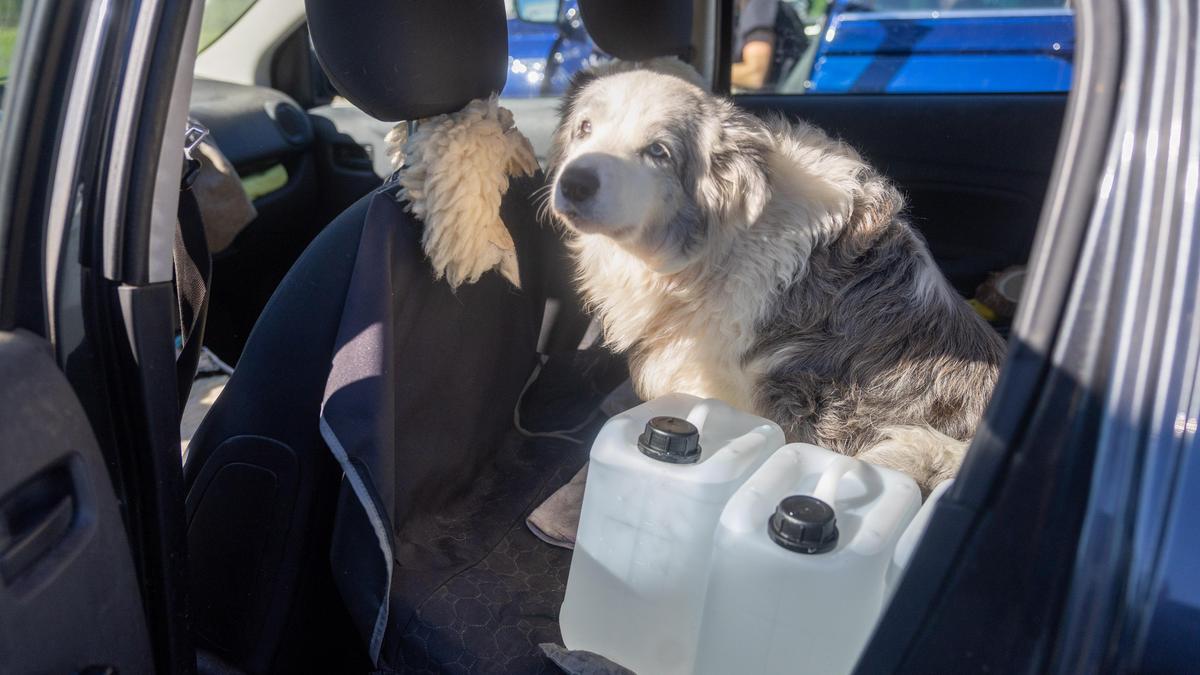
[[766, 264]]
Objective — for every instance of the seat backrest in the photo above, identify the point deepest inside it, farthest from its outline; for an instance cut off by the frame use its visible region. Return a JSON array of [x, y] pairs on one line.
[[266, 497], [263, 487]]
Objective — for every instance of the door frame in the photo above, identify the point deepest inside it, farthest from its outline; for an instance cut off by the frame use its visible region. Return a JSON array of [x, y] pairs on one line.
[[88, 185]]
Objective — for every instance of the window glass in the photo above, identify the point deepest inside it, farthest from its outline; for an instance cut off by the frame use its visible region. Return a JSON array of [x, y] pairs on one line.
[[219, 16], [536, 11], [901, 46], [547, 44]]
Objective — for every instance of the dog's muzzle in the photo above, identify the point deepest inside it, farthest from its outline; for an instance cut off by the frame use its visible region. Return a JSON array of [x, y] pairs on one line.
[[582, 197]]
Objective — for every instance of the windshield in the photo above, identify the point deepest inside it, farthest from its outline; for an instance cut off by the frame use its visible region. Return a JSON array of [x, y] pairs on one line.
[[219, 16]]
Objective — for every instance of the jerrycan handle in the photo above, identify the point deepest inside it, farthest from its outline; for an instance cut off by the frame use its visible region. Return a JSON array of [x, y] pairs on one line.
[[699, 414], [827, 485]]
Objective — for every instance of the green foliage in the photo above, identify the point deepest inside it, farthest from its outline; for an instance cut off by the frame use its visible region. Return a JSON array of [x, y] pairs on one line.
[[10, 16]]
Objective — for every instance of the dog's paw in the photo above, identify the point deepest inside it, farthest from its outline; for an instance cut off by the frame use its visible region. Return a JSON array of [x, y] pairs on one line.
[[926, 454], [456, 169]]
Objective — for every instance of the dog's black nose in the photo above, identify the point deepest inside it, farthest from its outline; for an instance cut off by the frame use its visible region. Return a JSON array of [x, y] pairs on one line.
[[579, 184]]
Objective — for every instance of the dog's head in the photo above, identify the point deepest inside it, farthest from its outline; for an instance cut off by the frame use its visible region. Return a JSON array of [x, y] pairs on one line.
[[657, 164]]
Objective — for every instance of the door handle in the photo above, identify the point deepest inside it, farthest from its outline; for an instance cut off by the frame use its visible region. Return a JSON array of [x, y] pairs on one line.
[[34, 518]]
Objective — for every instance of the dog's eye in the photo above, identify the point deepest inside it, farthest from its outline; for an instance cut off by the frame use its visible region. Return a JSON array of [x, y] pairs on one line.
[[585, 128], [658, 151]]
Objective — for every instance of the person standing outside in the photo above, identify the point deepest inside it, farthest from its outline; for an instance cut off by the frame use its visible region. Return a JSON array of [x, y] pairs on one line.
[[768, 40]]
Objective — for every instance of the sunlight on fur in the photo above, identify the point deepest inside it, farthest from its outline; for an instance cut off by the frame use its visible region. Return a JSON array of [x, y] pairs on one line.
[[764, 263]]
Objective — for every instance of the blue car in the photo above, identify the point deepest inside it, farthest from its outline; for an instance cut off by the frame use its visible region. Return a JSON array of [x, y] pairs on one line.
[[547, 44], [935, 46]]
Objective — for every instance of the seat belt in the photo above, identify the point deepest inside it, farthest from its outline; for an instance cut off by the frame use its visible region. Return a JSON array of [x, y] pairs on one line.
[[193, 267]]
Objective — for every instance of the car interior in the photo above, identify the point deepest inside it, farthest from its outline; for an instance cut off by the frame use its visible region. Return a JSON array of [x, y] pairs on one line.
[[359, 495], [348, 510], [470, 587], [985, 155]]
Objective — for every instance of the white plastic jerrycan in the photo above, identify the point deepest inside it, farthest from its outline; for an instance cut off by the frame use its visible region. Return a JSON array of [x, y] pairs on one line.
[[907, 545], [799, 568], [659, 477]]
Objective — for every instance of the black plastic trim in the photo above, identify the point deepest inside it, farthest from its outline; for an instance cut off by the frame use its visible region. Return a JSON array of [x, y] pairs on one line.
[[33, 108], [127, 231]]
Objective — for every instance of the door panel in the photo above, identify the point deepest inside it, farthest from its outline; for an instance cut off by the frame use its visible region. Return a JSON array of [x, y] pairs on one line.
[[60, 529], [974, 168]]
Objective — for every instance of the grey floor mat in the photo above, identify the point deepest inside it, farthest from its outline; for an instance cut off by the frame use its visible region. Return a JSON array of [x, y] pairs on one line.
[[474, 591]]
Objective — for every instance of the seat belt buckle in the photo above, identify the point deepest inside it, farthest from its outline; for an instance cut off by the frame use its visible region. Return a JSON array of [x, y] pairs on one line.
[[193, 136]]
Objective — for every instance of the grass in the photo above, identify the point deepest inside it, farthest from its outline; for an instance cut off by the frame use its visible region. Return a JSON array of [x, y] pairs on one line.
[[8, 41]]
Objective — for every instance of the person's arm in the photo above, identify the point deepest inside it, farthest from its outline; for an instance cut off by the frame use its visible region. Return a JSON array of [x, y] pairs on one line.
[[751, 71]]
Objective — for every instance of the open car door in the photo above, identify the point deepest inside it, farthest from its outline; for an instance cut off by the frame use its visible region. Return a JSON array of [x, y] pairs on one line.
[[91, 544], [69, 599]]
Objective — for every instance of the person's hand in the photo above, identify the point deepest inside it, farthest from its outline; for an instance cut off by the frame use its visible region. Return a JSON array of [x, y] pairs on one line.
[[751, 72]]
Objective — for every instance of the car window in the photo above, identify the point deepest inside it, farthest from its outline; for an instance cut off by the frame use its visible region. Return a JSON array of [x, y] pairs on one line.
[[537, 11], [901, 46], [10, 17], [219, 16], [547, 44]]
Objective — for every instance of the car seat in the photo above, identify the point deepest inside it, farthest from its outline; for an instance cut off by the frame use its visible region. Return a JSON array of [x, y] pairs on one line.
[[284, 560]]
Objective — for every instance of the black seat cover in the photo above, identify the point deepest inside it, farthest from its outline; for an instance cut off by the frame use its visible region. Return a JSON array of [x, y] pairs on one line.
[[636, 30], [267, 500], [285, 566]]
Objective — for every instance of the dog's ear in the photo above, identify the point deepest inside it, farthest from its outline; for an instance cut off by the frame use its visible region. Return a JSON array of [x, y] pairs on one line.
[[737, 183]]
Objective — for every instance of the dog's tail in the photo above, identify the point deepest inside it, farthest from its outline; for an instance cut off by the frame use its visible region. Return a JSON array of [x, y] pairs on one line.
[[924, 453]]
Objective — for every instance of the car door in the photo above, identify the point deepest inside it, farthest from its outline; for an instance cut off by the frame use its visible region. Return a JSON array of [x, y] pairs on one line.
[[67, 579], [91, 540], [960, 103]]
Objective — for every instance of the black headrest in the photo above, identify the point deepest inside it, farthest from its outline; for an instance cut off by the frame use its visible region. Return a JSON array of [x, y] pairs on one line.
[[408, 59], [636, 30]]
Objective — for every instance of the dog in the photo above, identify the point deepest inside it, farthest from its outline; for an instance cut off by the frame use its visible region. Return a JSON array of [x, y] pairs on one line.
[[766, 264]]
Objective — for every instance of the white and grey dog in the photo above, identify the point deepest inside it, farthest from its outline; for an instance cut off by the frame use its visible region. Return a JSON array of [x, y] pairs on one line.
[[766, 264]]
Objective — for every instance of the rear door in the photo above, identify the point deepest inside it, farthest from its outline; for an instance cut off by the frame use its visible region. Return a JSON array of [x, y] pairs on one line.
[[70, 594], [960, 102]]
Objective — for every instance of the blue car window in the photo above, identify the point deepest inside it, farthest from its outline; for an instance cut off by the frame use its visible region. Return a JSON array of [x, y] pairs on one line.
[[902, 46]]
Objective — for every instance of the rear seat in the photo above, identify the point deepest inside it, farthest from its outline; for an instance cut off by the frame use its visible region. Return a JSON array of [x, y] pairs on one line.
[[270, 508]]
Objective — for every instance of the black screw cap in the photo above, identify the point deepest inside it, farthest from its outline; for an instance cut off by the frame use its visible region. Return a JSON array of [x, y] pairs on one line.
[[804, 524], [670, 439]]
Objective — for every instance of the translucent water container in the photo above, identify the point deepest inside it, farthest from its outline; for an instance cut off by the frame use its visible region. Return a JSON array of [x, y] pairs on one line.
[[659, 477], [912, 536], [799, 569]]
